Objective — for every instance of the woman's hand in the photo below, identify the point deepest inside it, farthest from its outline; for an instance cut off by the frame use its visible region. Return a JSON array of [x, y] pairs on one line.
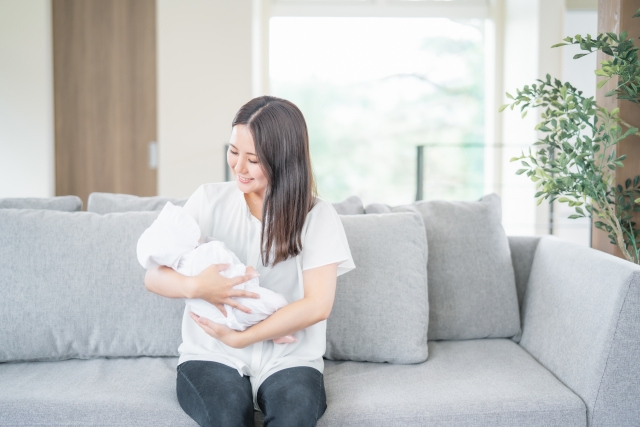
[[211, 286], [222, 333], [230, 337]]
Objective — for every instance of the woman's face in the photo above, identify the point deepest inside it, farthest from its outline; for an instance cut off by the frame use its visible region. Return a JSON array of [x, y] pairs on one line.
[[243, 161]]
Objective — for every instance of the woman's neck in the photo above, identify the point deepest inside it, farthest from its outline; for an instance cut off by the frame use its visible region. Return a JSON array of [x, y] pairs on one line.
[[255, 202]]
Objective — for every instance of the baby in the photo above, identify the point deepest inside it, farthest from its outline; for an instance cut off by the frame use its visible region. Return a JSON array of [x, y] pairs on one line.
[[173, 240]]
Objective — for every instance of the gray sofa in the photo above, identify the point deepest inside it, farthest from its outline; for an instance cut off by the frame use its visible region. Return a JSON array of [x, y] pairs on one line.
[[516, 331]]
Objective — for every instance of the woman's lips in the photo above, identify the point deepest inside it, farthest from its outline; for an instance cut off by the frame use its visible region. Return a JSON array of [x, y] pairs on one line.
[[243, 180]]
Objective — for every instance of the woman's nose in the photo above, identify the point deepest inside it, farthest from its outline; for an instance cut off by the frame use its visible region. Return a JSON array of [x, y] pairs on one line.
[[240, 165]]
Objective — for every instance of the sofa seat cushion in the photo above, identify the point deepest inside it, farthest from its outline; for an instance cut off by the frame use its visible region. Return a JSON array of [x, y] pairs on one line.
[[101, 392], [489, 382]]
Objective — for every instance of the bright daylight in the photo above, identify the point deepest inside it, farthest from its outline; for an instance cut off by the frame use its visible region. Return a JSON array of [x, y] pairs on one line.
[[320, 213], [375, 88]]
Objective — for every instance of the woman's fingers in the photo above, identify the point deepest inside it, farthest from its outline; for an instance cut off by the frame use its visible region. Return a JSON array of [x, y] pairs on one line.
[[235, 304], [234, 281], [239, 293]]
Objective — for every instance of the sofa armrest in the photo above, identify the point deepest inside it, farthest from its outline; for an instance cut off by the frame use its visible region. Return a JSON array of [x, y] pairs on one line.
[[581, 320]]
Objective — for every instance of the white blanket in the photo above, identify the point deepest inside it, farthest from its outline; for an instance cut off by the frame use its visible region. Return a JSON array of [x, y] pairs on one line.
[[174, 240]]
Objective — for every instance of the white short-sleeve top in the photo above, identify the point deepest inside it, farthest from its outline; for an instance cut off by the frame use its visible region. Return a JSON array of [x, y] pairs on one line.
[[222, 213]]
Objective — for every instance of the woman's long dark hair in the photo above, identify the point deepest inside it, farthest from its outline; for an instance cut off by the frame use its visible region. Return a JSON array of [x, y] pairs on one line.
[[282, 147]]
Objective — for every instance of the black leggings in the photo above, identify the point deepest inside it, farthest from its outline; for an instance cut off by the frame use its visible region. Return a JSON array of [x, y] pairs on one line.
[[214, 394]]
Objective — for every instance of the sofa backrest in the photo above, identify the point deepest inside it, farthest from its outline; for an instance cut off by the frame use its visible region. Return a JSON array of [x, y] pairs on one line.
[[104, 203], [46, 264], [60, 203], [72, 287]]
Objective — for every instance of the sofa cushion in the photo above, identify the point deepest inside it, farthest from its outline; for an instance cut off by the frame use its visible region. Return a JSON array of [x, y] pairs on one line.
[[490, 382], [472, 291], [349, 206], [381, 310], [104, 203], [72, 287], [133, 392], [466, 383], [60, 203], [377, 208]]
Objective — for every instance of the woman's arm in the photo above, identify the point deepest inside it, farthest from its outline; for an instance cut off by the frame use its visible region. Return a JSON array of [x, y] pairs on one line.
[[209, 285], [315, 306]]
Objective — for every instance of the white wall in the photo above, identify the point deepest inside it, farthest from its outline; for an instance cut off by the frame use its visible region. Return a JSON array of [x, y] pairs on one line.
[[204, 77], [26, 99], [530, 28]]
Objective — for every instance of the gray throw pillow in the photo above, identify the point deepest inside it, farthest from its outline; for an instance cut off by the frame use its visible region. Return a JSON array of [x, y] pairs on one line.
[[104, 203], [381, 309], [60, 203], [349, 206], [72, 287], [472, 290], [374, 208]]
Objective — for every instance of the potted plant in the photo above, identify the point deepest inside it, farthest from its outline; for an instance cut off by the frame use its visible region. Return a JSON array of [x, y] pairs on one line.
[[575, 161]]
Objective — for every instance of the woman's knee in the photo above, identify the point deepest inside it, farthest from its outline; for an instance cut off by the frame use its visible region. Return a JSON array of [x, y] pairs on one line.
[[214, 394], [293, 396]]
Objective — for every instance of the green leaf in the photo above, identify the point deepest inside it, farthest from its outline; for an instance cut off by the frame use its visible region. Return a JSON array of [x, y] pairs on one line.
[[520, 171], [563, 200], [637, 14], [574, 216], [558, 45], [579, 55], [601, 83], [502, 108]]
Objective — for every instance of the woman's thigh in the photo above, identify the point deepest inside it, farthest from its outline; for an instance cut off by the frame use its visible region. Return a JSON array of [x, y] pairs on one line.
[[293, 397], [214, 394]]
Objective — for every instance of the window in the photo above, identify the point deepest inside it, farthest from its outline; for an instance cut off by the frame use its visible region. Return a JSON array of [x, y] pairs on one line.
[[373, 89]]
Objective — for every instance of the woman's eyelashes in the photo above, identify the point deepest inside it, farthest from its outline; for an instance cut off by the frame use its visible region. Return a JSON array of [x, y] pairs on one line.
[[235, 153]]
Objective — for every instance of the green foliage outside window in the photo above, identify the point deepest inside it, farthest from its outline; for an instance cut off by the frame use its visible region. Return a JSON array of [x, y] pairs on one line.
[[575, 161]]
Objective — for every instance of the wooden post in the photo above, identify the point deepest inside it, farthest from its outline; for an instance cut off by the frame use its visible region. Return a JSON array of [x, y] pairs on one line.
[[615, 16], [104, 62]]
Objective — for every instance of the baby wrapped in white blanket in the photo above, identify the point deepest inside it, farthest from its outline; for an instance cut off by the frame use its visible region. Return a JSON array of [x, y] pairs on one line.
[[174, 240]]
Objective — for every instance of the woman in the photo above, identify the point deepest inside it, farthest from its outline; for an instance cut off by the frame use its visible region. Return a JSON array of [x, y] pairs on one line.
[[272, 220]]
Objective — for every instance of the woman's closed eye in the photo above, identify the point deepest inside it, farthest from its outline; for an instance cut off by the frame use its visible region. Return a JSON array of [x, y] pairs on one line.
[[235, 153]]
